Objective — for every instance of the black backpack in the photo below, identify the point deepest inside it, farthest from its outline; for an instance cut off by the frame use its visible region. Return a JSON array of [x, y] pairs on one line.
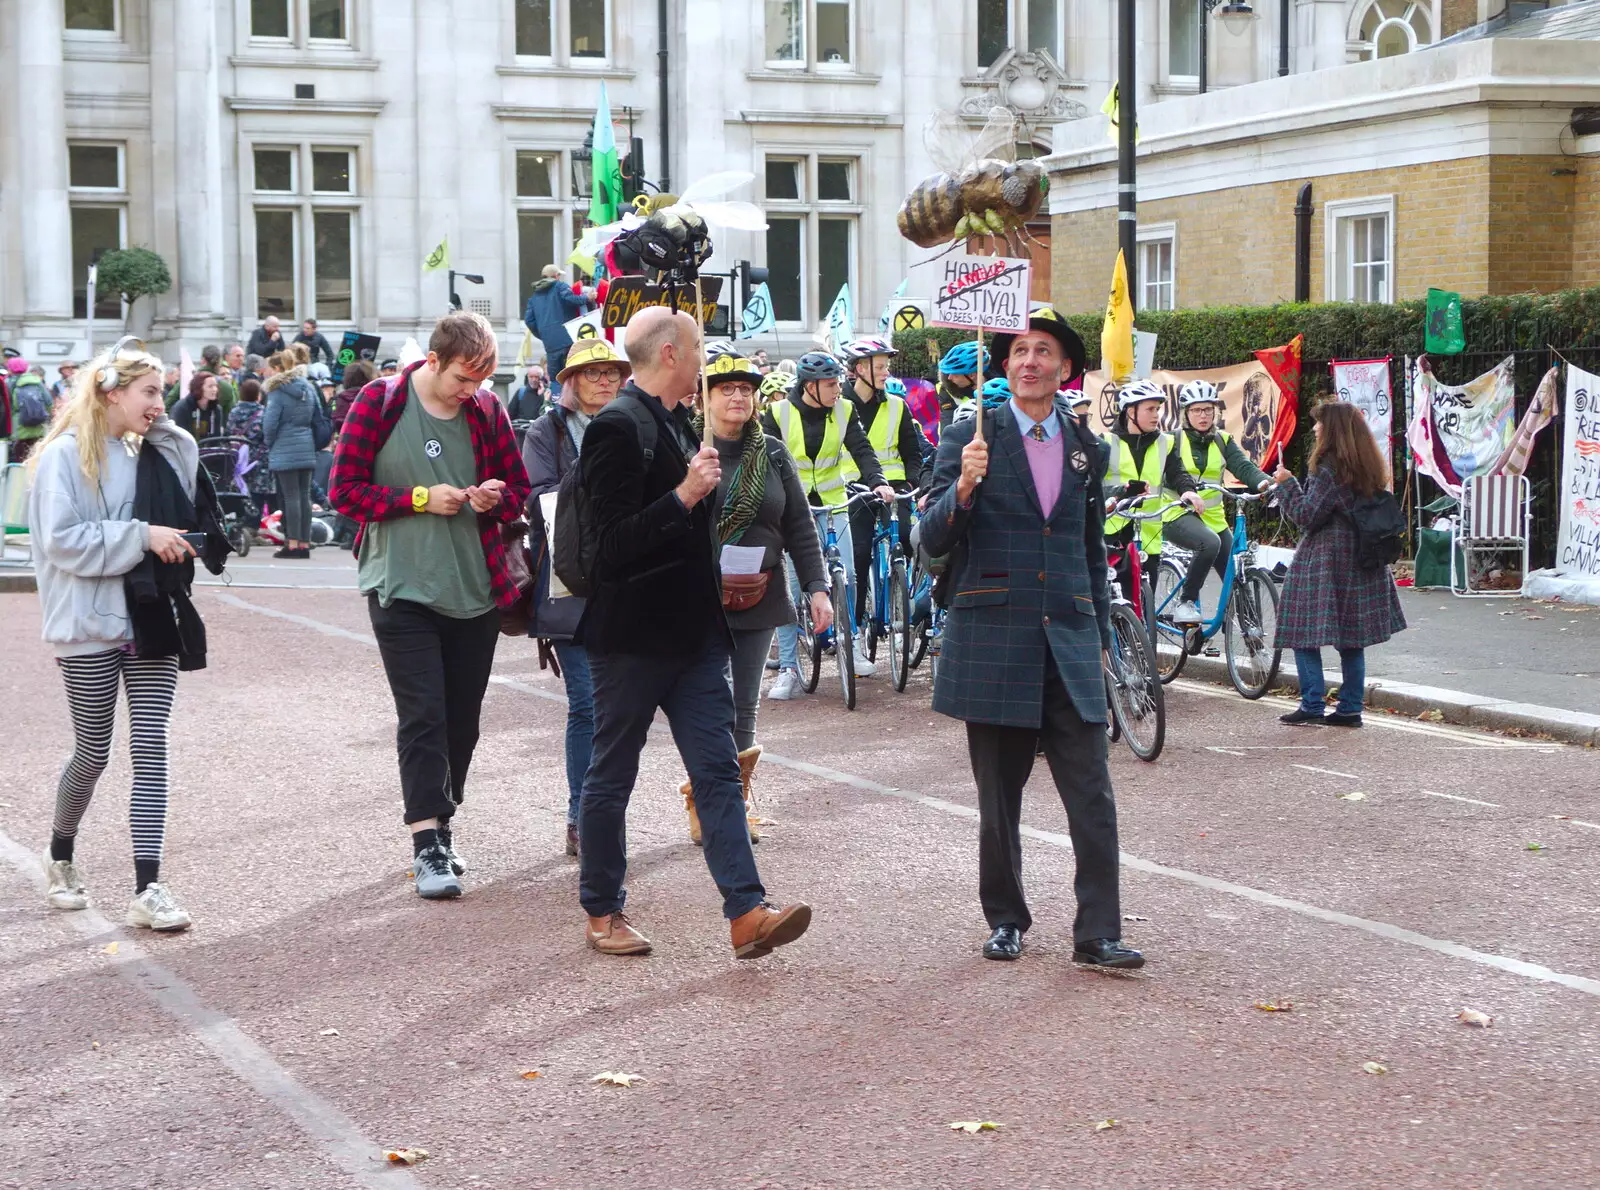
[[1380, 529], [31, 401], [576, 556]]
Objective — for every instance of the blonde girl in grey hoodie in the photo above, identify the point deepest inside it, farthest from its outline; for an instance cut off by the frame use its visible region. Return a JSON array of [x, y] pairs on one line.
[[85, 538]]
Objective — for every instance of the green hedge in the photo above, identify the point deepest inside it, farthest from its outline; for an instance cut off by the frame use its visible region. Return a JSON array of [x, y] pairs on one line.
[[1213, 336]]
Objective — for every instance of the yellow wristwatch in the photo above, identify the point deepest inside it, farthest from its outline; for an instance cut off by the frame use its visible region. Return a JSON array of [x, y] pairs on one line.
[[419, 499]]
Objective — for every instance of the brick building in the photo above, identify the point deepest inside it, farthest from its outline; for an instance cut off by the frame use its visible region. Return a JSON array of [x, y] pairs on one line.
[[1472, 164]]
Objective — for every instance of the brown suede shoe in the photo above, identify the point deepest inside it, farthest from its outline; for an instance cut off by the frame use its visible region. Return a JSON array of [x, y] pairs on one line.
[[616, 935], [572, 838], [766, 926]]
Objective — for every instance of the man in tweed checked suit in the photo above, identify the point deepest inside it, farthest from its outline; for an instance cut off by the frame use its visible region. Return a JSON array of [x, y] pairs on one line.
[[1020, 512]]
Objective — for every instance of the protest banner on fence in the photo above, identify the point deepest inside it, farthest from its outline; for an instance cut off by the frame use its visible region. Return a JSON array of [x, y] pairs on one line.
[[1252, 402], [1578, 541], [628, 295], [991, 292], [1366, 385]]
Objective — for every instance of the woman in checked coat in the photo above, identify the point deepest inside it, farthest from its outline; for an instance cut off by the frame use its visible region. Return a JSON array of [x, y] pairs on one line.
[[1329, 598]]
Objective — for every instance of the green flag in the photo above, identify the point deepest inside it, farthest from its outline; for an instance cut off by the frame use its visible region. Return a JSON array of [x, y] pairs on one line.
[[438, 258], [1442, 333], [606, 204]]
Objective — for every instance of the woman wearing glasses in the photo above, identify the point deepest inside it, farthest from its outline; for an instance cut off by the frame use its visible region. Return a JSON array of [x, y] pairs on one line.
[[593, 374]]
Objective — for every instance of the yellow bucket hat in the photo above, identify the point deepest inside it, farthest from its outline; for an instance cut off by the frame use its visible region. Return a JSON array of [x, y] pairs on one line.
[[592, 351], [728, 367]]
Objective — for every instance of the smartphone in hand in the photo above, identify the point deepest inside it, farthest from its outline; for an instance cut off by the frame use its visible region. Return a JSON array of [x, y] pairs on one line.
[[197, 540]]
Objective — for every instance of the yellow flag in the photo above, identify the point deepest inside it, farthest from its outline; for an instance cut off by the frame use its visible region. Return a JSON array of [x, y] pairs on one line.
[[525, 351], [1116, 336], [1112, 108], [439, 258]]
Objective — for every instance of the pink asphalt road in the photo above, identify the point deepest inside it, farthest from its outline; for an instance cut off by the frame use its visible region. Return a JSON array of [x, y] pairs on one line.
[[319, 1012]]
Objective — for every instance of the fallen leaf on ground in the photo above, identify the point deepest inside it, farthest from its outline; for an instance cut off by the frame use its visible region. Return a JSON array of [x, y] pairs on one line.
[[328, 1033], [1535, 847], [111, 948], [615, 1078], [1105, 1125], [976, 1126], [531, 1074], [1374, 1068], [406, 1156], [94, 1045], [1471, 1016], [1433, 716], [1355, 795], [1274, 1006], [1562, 817]]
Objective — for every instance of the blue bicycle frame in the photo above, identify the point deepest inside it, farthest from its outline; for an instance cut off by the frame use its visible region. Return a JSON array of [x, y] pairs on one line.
[[1209, 628]]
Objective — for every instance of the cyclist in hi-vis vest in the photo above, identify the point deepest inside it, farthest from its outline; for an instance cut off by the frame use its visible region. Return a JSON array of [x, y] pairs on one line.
[[896, 439], [1144, 459], [830, 449], [1205, 451]]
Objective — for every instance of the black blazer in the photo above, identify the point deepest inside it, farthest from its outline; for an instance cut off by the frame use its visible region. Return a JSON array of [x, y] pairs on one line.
[[660, 589]]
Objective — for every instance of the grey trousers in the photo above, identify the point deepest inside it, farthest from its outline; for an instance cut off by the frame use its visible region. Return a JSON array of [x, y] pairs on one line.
[[294, 489], [750, 648], [1210, 550]]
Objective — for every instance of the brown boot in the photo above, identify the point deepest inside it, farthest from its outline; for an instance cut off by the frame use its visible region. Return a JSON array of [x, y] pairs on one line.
[[747, 773], [766, 926], [687, 789], [614, 934]]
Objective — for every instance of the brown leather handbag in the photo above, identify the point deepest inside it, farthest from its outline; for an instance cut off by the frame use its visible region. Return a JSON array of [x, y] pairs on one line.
[[741, 592]]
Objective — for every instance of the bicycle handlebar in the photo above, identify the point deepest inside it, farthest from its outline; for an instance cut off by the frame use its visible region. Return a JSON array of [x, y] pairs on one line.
[[1239, 493]]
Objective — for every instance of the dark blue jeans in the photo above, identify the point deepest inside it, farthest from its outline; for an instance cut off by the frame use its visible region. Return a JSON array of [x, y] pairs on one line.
[[696, 693], [1314, 689], [580, 720], [554, 361]]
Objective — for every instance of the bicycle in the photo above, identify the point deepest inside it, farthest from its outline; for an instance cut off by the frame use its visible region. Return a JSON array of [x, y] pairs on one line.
[[1246, 614], [889, 594], [811, 645], [927, 630], [1134, 692]]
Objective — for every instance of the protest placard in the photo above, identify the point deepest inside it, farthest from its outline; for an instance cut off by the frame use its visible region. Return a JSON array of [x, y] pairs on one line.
[[982, 292]]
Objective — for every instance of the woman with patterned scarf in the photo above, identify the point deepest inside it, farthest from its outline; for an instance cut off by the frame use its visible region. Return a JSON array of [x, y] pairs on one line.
[[760, 504]]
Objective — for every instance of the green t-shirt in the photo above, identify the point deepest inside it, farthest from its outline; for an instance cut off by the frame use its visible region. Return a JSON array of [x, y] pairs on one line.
[[433, 560]]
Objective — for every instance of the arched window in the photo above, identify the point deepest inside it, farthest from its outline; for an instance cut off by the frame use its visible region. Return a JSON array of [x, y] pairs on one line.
[[1393, 27]]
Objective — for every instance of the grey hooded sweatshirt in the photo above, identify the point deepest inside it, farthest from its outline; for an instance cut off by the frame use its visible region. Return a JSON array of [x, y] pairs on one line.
[[85, 538]]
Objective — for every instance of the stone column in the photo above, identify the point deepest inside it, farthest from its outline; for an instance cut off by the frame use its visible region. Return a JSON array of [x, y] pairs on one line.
[[41, 139], [197, 162]]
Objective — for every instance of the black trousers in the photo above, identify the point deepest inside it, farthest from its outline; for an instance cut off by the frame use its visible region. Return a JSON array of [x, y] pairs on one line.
[[1002, 760], [438, 668]]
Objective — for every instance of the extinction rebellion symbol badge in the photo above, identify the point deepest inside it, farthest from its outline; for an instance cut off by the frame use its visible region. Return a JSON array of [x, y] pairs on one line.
[[433, 448]]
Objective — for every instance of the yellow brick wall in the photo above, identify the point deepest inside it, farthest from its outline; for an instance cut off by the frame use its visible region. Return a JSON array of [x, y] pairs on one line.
[[1457, 15], [1236, 247], [1530, 224], [1586, 223]]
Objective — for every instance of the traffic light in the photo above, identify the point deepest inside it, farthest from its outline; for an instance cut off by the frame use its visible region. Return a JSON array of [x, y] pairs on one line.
[[749, 277]]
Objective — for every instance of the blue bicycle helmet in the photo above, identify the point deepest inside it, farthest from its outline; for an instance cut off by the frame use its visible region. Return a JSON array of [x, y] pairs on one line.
[[895, 387], [962, 360], [817, 365], [997, 389]]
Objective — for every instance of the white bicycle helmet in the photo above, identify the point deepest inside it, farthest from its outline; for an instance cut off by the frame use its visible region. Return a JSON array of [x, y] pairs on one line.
[[1135, 391], [1198, 392]]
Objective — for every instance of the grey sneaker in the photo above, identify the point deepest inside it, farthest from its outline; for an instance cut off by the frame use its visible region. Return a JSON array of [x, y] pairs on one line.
[[448, 842], [155, 909], [786, 687], [434, 879], [1187, 612], [66, 889]]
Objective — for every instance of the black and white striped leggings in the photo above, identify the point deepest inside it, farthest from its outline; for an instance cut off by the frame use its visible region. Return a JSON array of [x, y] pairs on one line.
[[92, 700]]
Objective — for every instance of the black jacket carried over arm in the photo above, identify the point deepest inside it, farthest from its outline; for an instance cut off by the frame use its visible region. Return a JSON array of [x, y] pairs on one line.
[[660, 588], [165, 622], [813, 420], [912, 444]]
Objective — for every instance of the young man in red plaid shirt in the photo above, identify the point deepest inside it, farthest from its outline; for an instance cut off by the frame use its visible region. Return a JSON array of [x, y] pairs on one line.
[[428, 466]]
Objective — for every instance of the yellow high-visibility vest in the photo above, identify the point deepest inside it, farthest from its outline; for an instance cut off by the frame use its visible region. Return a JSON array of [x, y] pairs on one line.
[[823, 474], [885, 438], [1155, 466], [1215, 515]]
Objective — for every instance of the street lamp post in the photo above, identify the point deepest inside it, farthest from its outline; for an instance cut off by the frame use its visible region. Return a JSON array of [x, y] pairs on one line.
[[455, 298], [1127, 123], [1241, 7]]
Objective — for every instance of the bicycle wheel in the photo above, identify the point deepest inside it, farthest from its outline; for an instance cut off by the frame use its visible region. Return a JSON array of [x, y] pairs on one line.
[[843, 652], [1170, 649], [872, 627], [1250, 627], [1113, 727], [899, 627], [808, 648], [1138, 702]]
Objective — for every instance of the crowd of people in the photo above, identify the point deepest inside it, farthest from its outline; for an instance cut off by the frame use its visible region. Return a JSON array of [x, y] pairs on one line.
[[661, 458]]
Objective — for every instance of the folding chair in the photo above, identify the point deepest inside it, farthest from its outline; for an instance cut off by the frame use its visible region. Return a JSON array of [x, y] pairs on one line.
[[1494, 519], [14, 511]]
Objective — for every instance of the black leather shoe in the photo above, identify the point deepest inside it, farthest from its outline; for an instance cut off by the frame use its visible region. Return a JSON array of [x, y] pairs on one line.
[[1340, 719], [1301, 715], [1004, 943], [1107, 952]]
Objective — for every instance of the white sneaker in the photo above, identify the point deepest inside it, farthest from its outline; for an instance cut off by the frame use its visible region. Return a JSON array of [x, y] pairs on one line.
[[1187, 612], [155, 909], [787, 686], [864, 667], [66, 884]]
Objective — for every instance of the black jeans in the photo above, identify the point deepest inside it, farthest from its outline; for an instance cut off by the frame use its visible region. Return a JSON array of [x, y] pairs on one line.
[[438, 669], [697, 696], [1002, 760]]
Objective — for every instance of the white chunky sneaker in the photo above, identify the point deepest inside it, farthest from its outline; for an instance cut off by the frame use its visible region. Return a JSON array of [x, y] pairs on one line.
[[66, 884], [1187, 612], [154, 909], [863, 665], [786, 687]]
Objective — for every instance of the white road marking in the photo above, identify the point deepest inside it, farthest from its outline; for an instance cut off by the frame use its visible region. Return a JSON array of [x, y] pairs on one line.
[[341, 1141], [1243, 748], [1311, 768], [1380, 929], [1469, 800], [1594, 826], [1224, 751]]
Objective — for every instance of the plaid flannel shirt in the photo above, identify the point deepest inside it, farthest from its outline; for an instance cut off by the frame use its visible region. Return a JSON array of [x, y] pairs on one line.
[[367, 427]]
